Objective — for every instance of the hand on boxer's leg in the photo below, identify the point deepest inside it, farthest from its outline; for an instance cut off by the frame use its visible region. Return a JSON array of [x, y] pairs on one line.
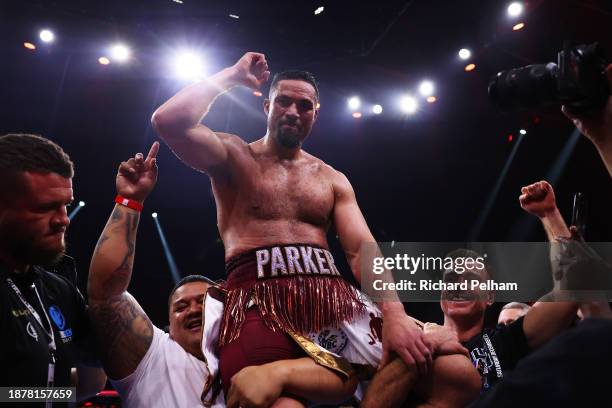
[[401, 336]]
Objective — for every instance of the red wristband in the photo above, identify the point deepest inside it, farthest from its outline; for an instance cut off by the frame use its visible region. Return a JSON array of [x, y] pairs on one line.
[[134, 205]]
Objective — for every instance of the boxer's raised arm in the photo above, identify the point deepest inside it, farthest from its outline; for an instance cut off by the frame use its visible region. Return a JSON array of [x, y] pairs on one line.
[[123, 330], [178, 120]]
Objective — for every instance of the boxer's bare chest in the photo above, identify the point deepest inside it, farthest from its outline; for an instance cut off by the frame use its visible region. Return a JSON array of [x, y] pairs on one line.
[[299, 191]]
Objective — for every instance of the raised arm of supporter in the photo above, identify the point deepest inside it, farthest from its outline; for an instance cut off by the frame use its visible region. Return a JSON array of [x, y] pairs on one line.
[[262, 386], [547, 318], [400, 334], [123, 330], [178, 120], [598, 126], [539, 199]]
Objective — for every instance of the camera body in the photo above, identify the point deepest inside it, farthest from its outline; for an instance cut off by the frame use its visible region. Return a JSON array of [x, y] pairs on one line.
[[577, 81]]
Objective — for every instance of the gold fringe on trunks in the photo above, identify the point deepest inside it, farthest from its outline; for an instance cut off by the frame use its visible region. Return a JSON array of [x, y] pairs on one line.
[[300, 304]]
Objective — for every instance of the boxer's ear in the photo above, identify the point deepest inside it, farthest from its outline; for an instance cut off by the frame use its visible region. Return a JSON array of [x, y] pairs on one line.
[[266, 106]]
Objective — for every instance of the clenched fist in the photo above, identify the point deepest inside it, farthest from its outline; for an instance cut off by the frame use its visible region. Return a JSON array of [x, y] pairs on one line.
[[137, 176], [538, 199], [251, 70]]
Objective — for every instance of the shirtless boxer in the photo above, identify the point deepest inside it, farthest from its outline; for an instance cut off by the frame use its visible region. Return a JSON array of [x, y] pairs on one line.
[[275, 203]]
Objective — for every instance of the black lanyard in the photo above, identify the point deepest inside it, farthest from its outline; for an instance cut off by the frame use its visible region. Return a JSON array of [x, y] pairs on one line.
[[49, 333]]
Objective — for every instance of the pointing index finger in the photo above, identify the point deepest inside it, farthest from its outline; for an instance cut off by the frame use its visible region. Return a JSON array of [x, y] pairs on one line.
[[153, 151]]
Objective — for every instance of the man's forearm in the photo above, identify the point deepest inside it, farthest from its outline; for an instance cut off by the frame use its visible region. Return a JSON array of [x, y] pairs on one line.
[[188, 107], [111, 265], [391, 386], [305, 378], [554, 225]]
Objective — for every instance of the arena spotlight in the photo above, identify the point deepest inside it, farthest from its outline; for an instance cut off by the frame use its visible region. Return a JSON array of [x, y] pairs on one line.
[[188, 65], [431, 99], [354, 103], [120, 53], [523, 132], [81, 203], [46, 36], [234, 16], [103, 60], [518, 26], [29, 45], [408, 104], [257, 93], [515, 9], [154, 215], [357, 115], [319, 10], [470, 67], [465, 54], [377, 109], [426, 88]]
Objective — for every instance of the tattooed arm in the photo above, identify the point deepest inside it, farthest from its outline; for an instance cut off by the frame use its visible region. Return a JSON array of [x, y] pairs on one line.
[[123, 330]]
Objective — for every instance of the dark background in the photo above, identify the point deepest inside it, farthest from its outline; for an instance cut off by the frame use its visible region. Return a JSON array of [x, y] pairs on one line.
[[426, 177]]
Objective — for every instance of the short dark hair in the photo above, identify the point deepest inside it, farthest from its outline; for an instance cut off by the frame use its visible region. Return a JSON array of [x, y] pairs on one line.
[[295, 74], [188, 279], [25, 152]]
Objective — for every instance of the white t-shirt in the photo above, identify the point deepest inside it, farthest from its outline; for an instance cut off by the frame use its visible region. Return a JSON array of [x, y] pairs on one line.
[[168, 376]]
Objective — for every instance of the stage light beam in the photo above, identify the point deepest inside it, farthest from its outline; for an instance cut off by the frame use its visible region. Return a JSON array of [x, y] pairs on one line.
[[81, 203], [470, 67], [103, 60], [465, 54], [319, 10], [523, 132], [47, 36], [377, 109], [426, 88], [29, 46], [518, 26], [154, 215]]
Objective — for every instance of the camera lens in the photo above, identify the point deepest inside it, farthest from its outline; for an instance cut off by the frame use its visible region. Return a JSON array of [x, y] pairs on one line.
[[525, 87]]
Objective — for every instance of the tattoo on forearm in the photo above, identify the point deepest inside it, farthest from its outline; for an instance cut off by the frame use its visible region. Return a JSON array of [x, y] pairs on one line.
[[123, 331], [130, 238]]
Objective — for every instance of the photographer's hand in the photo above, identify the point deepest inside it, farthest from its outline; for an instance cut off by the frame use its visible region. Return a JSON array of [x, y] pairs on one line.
[[597, 126]]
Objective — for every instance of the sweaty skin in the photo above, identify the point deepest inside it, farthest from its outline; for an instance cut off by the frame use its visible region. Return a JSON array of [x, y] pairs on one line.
[[263, 200]]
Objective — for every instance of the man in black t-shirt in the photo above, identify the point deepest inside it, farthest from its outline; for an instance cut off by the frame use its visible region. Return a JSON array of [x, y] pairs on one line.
[[43, 317], [493, 352]]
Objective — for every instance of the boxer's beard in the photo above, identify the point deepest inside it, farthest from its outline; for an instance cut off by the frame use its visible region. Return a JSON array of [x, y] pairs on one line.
[[289, 139]]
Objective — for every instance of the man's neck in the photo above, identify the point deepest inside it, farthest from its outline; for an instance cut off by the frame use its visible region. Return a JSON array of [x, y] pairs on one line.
[[271, 146], [465, 328]]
